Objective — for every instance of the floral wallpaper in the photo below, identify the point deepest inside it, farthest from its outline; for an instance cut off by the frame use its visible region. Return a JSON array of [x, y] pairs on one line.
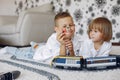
[[83, 11], [25, 4]]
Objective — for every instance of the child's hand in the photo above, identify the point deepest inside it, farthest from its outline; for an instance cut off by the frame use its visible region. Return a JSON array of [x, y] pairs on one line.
[[69, 45], [60, 38]]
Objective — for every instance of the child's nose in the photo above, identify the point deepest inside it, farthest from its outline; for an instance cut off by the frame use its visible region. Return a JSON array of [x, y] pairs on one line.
[[68, 28], [92, 32]]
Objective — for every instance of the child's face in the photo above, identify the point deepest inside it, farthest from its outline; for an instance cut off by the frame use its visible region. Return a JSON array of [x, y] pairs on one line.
[[66, 26], [96, 35]]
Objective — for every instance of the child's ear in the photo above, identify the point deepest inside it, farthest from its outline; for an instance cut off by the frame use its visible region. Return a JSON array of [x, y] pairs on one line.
[[55, 28]]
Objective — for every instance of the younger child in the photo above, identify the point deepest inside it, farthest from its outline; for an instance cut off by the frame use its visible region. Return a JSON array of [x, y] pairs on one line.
[[100, 34]]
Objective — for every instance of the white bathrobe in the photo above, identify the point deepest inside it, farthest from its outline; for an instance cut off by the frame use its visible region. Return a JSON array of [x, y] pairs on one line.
[[87, 49], [52, 48]]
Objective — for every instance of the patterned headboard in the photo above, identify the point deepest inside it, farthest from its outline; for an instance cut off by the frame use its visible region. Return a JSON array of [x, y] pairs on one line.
[[83, 11]]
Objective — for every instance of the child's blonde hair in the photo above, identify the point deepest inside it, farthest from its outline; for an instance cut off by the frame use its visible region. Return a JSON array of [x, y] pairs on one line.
[[61, 15], [103, 25]]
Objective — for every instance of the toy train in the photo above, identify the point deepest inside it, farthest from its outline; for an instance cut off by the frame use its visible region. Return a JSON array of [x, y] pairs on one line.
[[100, 62], [93, 63], [68, 62]]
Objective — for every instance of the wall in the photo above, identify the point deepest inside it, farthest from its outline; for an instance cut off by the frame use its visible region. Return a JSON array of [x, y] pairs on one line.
[[22, 5], [14, 7], [7, 7]]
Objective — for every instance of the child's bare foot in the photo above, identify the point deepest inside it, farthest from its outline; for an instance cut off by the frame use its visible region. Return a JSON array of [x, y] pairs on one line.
[[34, 45]]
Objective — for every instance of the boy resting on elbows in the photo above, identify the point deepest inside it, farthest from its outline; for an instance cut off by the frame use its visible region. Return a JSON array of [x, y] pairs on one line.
[[63, 42]]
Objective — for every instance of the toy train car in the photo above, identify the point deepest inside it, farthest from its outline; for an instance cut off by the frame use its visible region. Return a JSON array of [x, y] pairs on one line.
[[68, 62], [100, 62], [92, 63], [117, 60]]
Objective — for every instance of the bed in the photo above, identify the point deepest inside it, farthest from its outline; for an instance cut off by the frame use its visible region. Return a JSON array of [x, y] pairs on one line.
[[36, 70]]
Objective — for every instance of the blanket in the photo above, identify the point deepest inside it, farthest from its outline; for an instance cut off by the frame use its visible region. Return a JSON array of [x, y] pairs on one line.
[[36, 70]]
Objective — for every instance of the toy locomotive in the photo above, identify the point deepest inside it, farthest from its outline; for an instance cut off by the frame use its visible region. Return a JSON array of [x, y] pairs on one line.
[[68, 62], [93, 63]]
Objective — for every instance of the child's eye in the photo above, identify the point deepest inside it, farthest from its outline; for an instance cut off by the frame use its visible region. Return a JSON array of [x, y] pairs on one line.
[[71, 25], [95, 31], [64, 26], [90, 30]]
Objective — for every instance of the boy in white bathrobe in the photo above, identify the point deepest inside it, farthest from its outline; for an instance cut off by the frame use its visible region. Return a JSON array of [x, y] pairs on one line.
[[62, 42]]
